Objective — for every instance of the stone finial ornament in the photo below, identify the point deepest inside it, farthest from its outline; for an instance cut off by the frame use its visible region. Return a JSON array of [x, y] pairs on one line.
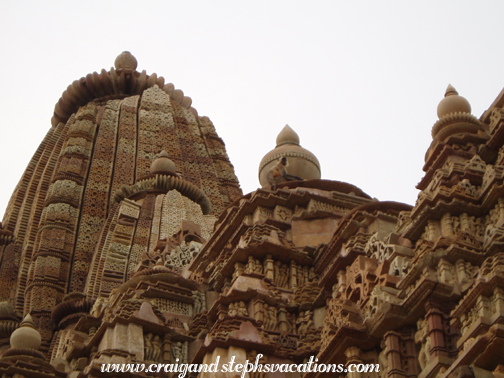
[[301, 162], [125, 60], [452, 103], [287, 136], [163, 164], [26, 336]]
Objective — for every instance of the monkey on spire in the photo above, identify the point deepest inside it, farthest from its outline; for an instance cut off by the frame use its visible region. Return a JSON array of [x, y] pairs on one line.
[[278, 174], [303, 165]]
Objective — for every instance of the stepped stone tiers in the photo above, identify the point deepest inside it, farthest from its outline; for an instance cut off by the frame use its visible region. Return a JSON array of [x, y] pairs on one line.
[[128, 240]]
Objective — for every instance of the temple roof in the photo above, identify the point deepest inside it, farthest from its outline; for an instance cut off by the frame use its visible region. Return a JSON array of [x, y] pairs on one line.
[[121, 81]]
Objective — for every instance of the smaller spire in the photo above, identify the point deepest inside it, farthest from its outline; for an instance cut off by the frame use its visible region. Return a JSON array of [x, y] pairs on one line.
[[302, 164], [452, 103], [163, 165], [26, 336], [287, 136]]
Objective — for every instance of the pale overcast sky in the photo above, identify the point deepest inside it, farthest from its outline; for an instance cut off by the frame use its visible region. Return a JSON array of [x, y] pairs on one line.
[[358, 80]]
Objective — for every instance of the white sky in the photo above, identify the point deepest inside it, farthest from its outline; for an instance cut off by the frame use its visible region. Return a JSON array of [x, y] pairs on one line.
[[359, 81]]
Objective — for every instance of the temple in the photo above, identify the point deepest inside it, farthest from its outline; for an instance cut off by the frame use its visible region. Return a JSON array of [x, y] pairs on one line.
[[128, 240]]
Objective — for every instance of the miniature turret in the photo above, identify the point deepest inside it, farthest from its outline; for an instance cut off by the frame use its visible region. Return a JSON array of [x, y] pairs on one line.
[[300, 162]]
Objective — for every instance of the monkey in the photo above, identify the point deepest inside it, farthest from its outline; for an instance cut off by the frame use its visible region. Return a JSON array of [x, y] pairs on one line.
[[278, 173]]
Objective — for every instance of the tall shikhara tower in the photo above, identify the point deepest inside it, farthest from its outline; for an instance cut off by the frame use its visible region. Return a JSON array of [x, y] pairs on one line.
[[128, 240], [69, 227]]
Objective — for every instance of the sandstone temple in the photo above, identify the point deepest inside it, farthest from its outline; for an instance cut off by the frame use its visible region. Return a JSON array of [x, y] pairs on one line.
[[129, 240]]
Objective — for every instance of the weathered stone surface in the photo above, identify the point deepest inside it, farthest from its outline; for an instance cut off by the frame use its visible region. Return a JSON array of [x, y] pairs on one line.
[[128, 240]]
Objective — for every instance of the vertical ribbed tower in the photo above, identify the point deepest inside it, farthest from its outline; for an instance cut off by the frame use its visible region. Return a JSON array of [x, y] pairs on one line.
[[107, 130]]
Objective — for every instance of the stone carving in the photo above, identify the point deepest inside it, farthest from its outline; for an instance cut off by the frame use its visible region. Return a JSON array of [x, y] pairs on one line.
[[238, 309], [286, 341], [242, 309], [270, 317], [383, 360], [304, 322], [182, 254], [319, 265], [283, 276], [252, 356], [172, 306], [149, 347], [199, 302], [239, 269], [422, 337], [253, 266], [179, 352]]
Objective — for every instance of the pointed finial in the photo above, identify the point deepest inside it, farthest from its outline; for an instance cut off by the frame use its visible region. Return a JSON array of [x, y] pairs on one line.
[[27, 322], [450, 91], [26, 336], [287, 136]]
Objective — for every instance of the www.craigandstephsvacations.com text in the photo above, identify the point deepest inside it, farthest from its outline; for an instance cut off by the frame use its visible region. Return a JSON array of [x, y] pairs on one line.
[[241, 368]]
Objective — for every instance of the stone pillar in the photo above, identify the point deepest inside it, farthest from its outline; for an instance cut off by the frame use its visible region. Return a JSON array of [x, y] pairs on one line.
[[434, 317], [341, 281], [393, 354], [410, 353], [501, 208], [447, 224], [465, 224], [445, 271], [432, 230], [293, 274], [353, 357], [259, 310], [127, 338], [498, 299], [239, 268], [167, 352], [269, 268], [283, 325]]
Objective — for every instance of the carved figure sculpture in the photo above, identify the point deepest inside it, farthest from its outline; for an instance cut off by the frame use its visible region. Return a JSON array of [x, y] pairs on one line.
[[304, 322], [300, 276], [276, 271], [284, 276], [258, 267], [250, 265], [148, 349], [242, 309], [238, 270], [422, 337], [232, 309], [312, 276], [156, 349], [98, 307], [306, 274], [272, 318], [257, 374], [291, 323], [265, 316], [177, 352], [202, 300], [194, 248], [383, 360], [197, 302]]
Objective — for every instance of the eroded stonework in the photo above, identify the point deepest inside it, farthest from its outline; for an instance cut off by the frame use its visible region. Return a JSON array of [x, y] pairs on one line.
[[128, 240]]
